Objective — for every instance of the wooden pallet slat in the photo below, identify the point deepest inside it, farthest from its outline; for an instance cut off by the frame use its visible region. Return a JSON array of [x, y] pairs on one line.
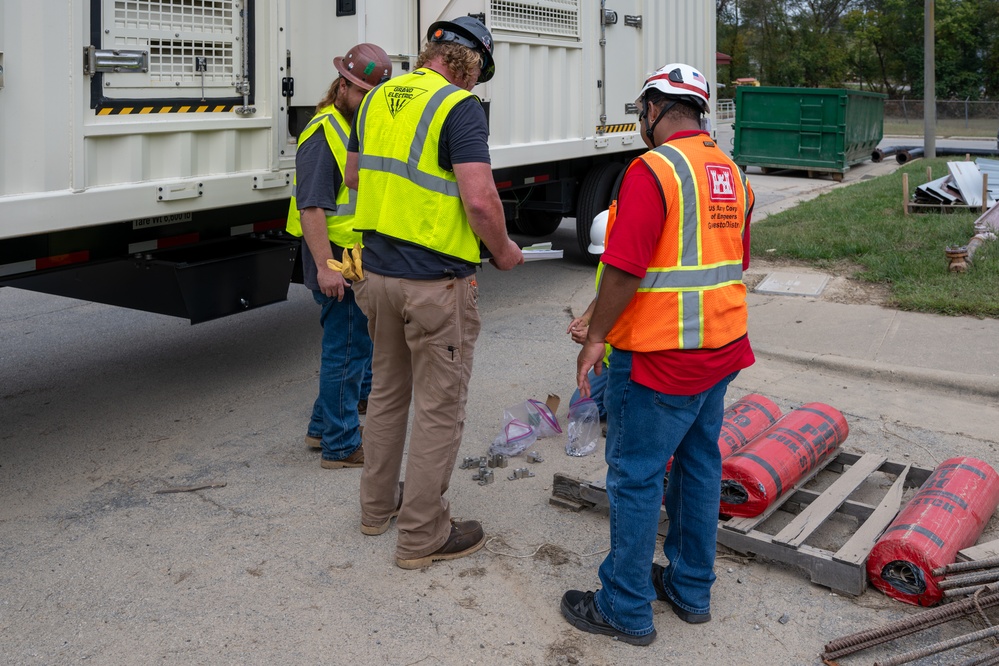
[[858, 547], [806, 522]]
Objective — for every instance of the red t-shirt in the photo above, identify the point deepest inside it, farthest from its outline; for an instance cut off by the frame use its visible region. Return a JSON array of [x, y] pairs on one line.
[[630, 247]]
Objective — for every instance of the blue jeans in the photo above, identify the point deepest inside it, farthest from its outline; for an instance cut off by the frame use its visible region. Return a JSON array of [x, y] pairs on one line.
[[598, 384], [346, 360], [644, 429]]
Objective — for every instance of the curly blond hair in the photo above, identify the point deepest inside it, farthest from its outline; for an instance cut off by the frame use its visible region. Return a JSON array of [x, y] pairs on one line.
[[460, 60]]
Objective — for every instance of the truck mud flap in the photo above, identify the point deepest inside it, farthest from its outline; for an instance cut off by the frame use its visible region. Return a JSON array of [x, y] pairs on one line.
[[200, 282]]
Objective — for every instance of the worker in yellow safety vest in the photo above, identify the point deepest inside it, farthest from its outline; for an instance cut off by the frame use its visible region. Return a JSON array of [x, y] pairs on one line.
[[672, 305], [322, 213], [426, 200]]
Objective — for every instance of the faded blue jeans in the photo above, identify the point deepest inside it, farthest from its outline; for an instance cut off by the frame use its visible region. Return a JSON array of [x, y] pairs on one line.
[[644, 429], [345, 365]]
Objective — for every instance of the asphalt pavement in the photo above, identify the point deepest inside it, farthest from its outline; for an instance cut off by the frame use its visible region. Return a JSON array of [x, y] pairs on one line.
[[102, 409]]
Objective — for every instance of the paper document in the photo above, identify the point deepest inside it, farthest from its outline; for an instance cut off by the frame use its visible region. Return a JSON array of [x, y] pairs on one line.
[[540, 251]]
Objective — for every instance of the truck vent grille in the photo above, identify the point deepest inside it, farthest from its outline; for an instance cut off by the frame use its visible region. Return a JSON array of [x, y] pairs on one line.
[[171, 61], [211, 16], [177, 34], [545, 17]]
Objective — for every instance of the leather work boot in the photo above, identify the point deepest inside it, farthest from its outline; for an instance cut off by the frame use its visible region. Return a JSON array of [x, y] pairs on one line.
[[466, 537], [375, 530], [355, 459], [314, 442]]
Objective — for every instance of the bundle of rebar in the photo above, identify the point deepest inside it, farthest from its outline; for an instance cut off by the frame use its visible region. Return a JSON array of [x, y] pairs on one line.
[[963, 578], [910, 625]]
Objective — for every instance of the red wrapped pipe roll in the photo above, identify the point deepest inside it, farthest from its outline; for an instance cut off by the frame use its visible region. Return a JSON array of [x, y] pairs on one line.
[[756, 475], [947, 514]]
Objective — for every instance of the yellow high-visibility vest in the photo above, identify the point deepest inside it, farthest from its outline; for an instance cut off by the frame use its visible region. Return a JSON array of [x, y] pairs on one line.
[[339, 222], [405, 194]]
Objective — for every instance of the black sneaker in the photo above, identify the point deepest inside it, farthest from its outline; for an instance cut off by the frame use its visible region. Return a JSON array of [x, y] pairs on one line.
[[686, 616], [580, 610]]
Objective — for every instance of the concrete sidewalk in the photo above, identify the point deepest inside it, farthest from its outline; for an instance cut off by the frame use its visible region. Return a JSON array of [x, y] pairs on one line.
[[950, 353]]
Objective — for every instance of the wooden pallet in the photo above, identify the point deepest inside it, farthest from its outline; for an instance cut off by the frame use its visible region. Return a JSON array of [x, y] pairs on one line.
[[842, 570]]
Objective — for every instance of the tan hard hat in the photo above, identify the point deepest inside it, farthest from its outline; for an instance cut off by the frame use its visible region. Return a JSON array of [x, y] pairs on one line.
[[365, 65]]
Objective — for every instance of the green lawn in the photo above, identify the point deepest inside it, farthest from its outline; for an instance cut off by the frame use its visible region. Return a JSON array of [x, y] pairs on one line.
[[865, 224]]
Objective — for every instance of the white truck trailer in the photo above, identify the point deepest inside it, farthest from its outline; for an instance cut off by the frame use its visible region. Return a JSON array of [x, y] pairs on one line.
[[147, 147]]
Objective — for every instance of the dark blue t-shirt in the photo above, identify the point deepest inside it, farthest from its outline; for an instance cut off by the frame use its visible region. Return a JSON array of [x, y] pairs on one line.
[[317, 180]]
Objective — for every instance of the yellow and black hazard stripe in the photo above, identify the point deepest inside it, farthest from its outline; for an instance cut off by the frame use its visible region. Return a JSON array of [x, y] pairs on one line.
[[611, 129], [137, 109]]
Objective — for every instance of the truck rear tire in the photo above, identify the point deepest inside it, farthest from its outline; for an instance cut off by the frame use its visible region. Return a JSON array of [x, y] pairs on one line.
[[595, 194], [538, 222]]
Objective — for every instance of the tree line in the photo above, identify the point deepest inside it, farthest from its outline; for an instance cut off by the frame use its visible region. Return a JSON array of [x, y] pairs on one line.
[[874, 44]]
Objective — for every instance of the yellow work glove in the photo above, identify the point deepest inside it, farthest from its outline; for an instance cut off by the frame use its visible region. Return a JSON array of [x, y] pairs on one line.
[[350, 265]]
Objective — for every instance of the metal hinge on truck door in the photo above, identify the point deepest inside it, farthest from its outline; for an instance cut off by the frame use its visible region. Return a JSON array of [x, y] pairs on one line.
[[633, 21], [118, 61]]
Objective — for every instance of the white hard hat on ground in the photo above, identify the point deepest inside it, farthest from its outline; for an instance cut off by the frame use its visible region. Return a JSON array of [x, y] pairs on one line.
[[598, 229]]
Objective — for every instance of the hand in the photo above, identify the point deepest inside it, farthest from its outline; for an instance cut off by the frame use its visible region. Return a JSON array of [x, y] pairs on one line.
[[578, 328], [590, 356], [508, 257], [331, 282]]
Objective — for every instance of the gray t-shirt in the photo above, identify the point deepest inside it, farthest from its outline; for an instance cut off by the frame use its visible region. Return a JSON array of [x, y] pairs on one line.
[[464, 139], [317, 180]]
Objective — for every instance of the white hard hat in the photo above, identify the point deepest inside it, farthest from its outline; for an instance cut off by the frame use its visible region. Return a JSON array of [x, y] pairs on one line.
[[682, 82], [598, 228]]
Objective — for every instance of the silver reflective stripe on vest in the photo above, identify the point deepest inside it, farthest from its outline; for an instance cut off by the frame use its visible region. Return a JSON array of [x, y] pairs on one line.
[[348, 207], [410, 172], [333, 123], [688, 219], [690, 302], [429, 111], [698, 278]]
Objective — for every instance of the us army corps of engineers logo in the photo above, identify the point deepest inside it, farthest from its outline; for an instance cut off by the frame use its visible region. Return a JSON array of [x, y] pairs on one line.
[[398, 97]]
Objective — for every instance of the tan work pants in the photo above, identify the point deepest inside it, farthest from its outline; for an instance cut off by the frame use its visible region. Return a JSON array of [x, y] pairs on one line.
[[424, 333]]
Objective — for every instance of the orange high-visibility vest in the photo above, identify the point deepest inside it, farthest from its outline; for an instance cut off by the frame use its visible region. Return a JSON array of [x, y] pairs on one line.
[[692, 296]]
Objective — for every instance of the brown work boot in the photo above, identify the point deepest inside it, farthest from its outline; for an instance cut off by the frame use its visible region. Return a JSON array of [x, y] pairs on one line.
[[375, 530], [313, 442], [355, 459], [466, 537]]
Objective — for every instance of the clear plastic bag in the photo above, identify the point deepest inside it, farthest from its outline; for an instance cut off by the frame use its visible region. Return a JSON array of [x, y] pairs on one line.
[[584, 427], [524, 424], [514, 439], [537, 415]]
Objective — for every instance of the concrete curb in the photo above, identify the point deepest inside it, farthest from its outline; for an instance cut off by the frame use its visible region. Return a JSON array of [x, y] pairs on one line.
[[987, 387]]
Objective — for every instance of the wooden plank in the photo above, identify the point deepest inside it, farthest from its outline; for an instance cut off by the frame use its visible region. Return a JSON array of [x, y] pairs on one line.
[[804, 497], [980, 551], [745, 525], [841, 577], [567, 489], [858, 546], [905, 193], [806, 522]]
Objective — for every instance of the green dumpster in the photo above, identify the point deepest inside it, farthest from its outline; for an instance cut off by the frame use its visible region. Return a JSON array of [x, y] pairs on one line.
[[823, 130]]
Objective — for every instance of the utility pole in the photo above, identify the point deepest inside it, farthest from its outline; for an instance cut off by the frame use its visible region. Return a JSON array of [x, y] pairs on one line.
[[929, 84]]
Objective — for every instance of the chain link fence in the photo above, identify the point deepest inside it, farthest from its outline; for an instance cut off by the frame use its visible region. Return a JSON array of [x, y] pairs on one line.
[[953, 116]]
